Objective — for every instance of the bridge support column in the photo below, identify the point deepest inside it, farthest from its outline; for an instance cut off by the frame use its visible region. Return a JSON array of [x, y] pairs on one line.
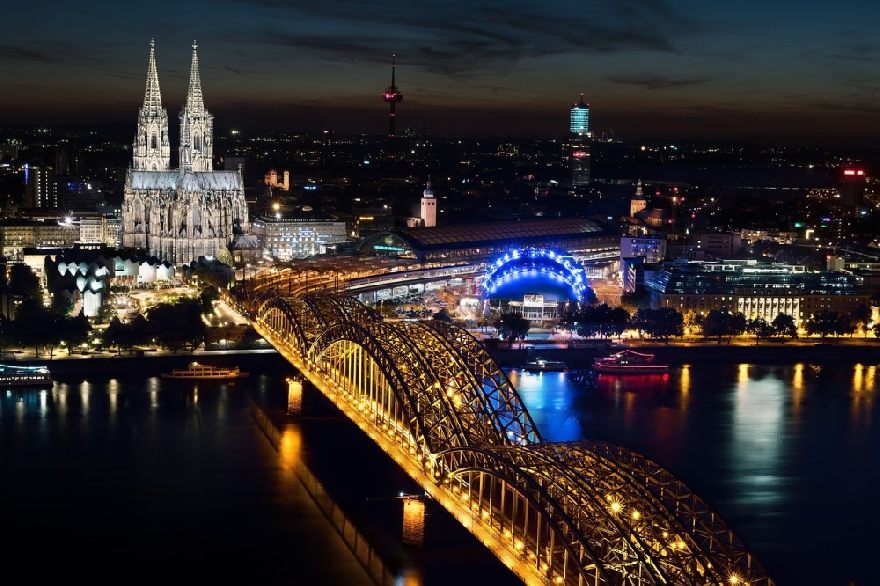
[[294, 396], [414, 521]]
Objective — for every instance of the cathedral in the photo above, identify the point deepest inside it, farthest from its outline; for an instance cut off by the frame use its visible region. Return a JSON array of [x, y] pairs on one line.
[[180, 214]]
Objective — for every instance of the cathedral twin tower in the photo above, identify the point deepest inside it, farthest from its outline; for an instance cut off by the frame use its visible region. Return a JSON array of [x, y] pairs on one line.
[[180, 214]]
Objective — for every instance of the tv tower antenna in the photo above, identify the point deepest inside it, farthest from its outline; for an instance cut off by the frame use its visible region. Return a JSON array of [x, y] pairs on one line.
[[392, 96]]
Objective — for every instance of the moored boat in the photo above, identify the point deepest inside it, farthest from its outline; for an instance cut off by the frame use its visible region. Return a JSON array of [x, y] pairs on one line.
[[542, 365], [629, 362], [24, 376], [196, 371]]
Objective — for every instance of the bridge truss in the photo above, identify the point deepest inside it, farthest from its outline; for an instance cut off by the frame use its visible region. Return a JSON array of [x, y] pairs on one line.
[[555, 513]]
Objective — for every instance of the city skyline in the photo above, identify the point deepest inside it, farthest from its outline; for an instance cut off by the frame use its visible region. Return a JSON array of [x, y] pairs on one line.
[[648, 68]]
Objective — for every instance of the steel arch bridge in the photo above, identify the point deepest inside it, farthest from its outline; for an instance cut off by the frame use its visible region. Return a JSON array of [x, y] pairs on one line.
[[433, 399]]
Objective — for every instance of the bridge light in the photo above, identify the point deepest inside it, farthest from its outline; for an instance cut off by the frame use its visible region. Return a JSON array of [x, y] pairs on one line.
[[636, 515], [615, 506], [734, 579]]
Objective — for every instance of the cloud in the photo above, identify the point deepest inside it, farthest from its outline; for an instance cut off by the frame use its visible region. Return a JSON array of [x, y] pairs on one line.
[[657, 82], [459, 38], [19, 53], [239, 71]]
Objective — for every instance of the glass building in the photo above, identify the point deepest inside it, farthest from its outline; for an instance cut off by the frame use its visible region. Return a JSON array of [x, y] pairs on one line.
[[580, 118], [580, 143]]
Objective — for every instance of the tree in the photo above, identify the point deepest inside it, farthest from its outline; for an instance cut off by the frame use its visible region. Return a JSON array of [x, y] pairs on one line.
[[443, 315], [662, 323], [825, 323], [75, 330], [718, 324], [714, 324], [177, 325], [61, 303], [861, 317], [512, 327], [207, 297], [23, 281], [34, 325], [784, 325], [760, 328], [619, 321]]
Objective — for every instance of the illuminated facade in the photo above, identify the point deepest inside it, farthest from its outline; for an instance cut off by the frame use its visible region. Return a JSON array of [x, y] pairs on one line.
[[651, 248], [758, 290], [288, 238], [579, 127], [428, 207], [180, 214]]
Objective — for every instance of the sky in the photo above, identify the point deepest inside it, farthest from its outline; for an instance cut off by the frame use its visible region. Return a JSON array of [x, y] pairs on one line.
[[772, 71]]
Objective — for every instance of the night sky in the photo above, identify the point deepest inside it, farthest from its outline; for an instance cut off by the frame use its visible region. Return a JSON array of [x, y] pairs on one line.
[[777, 71]]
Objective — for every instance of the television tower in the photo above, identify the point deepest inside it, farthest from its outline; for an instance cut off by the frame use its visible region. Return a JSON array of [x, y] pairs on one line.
[[392, 96]]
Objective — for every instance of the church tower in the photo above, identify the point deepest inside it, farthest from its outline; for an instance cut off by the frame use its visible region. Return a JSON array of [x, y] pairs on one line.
[[196, 125], [151, 150], [429, 206]]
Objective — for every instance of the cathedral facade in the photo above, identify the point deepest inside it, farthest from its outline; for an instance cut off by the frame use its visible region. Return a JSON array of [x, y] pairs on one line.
[[180, 214]]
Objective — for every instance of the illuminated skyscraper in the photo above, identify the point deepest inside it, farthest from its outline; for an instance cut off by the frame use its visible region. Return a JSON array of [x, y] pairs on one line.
[[579, 127]]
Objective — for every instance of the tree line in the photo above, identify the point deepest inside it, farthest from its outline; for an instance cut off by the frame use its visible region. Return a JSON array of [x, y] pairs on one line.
[[174, 326]]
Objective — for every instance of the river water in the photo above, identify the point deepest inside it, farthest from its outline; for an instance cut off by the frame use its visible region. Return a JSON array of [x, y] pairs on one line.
[[789, 455], [128, 478]]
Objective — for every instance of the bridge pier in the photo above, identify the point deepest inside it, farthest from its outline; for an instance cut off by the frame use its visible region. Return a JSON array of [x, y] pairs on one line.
[[414, 520]]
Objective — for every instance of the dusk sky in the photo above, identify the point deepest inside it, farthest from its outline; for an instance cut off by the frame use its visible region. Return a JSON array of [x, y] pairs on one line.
[[773, 71]]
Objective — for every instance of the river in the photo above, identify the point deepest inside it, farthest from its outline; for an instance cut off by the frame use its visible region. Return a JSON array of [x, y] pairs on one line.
[[789, 455], [127, 478]]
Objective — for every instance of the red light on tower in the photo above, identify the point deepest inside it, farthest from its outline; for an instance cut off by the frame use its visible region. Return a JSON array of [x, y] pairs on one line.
[[849, 172]]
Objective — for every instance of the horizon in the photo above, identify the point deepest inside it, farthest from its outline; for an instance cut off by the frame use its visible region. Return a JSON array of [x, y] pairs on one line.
[[650, 69]]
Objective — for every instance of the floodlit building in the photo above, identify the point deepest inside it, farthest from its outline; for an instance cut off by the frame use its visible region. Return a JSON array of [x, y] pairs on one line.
[[288, 238], [180, 214], [428, 207], [271, 180], [755, 289], [16, 235]]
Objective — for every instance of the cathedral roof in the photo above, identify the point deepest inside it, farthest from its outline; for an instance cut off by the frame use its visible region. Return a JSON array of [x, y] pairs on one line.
[[189, 181]]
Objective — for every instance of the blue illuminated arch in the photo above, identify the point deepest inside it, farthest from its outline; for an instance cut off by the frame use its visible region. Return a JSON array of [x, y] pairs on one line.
[[529, 262]]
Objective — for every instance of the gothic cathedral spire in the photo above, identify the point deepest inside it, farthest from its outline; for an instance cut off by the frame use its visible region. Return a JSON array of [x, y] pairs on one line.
[[196, 125], [151, 150]]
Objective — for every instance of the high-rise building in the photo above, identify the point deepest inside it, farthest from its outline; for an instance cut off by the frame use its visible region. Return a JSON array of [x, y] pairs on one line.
[[428, 207], [579, 128], [179, 215], [852, 187], [42, 190]]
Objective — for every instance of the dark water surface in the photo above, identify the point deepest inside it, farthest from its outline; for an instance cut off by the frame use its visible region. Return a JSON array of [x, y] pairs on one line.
[[131, 479], [789, 455]]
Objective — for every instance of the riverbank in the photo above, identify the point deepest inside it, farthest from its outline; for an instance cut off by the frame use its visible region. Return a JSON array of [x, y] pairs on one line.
[[254, 361], [717, 353]]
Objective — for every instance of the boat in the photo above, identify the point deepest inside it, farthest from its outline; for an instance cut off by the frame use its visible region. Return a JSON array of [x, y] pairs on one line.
[[629, 362], [196, 371], [24, 376], [542, 365]]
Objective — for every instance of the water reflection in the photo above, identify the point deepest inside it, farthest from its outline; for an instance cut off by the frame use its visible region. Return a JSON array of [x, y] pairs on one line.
[[764, 445]]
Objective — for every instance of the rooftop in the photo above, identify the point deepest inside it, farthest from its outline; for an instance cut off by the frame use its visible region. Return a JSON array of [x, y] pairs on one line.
[[477, 234]]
